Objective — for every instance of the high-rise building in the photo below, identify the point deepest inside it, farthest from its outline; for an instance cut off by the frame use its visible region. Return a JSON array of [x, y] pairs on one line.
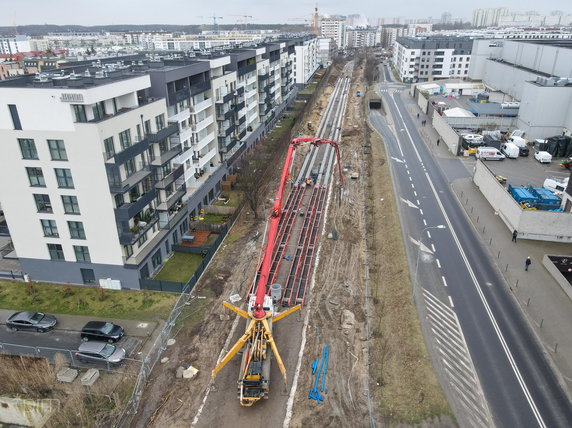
[[488, 17], [12, 45], [334, 27]]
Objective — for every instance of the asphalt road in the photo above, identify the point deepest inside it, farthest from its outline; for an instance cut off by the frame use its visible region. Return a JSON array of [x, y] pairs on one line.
[[511, 371], [56, 341]]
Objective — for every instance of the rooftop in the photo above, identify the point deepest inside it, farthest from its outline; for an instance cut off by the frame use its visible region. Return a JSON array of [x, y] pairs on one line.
[[560, 43]]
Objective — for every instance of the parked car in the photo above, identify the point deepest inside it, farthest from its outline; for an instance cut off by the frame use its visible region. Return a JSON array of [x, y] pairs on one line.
[[101, 330], [521, 143], [543, 157], [37, 321], [489, 153], [100, 352]]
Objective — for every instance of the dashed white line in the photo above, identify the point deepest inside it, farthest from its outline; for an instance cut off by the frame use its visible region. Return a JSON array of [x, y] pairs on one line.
[[451, 302], [444, 281], [410, 179], [413, 185], [433, 247], [424, 222], [438, 263], [428, 233], [415, 193], [418, 203], [421, 211]]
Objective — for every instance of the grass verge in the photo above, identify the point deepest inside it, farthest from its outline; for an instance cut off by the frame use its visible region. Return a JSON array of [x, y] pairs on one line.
[[409, 390], [180, 267], [88, 301]]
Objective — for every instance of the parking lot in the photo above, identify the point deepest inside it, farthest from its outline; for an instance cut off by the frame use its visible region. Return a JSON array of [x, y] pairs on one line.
[[526, 171]]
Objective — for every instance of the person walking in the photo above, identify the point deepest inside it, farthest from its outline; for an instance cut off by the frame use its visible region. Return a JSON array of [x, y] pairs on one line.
[[417, 115], [514, 235], [438, 141], [527, 263]]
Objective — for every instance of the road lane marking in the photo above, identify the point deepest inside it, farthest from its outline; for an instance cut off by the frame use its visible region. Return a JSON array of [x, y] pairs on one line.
[[451, 302], [438, 263], [433, 247], [444, 281]]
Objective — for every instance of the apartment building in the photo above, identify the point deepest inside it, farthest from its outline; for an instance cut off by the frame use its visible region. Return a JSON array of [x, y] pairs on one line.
[[305, 60], [419, 59], [12, 45], [326, 50], [390, 33], [94, 194], [109, 159], [361, 37], [334, 27], [488, 17]]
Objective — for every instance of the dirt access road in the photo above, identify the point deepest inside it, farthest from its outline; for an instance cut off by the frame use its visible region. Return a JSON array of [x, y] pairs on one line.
[[335, 314]]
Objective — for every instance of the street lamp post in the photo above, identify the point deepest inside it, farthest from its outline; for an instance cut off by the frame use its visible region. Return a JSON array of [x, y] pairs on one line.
[[440, 226]]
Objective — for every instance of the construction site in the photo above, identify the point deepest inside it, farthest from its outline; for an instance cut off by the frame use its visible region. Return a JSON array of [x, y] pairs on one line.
[[303, 316]]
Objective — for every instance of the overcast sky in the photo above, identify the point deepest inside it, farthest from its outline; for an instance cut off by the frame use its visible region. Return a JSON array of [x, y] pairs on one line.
[[104, 12]]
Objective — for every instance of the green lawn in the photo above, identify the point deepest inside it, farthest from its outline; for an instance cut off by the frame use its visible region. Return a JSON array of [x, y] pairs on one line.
[[234, 198], [88, 301], [180, 267], [215, 218]]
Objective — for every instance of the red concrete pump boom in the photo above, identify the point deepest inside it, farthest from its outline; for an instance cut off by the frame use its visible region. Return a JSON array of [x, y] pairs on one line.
[[259, 312]]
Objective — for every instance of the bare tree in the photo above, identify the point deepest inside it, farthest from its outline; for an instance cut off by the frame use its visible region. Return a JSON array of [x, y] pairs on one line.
[[249, 181]]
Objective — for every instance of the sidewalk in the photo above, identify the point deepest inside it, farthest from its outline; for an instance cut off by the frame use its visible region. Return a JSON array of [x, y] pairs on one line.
[[544, 304]]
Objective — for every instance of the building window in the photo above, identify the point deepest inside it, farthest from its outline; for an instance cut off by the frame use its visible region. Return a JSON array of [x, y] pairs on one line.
[[109, 147], [125, 139], [129, 167], [142, 239], [99, 110], [81, 253], [28, 148], [64, 178], [119, 200], [128, 250], [88, 276], [79, 112], [36, 177], [56, 252], [70, 204], [43, 203], [57, 150], [15, 117], [50, 229], [76, 230], [144, 272], [156, 259], [160, 122], [147, 125]]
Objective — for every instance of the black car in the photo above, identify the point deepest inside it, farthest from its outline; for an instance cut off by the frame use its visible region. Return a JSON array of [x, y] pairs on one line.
[[37, 321], [102, 331]]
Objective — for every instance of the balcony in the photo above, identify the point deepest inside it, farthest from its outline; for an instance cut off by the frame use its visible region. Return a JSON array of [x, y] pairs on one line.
[[240, 91], [163, 133], [203, 124], [205, 140], [172, 150], [130, 182], [246, 69], [242, 134], [138, 147], [198, 87], [129, 238], [225, 98], [178, 96], [239, 106], [225, 115], [251, 80], [179, 117], [262, 77], [225, 132], [206, 158], [170, 177], [172, 200], [186, 133], [240, 120], [203, 105], [127, 211]]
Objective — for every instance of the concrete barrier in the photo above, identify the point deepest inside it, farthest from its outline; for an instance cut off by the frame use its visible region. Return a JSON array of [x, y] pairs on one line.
[[557, 275], [21, 412], [447, 134]]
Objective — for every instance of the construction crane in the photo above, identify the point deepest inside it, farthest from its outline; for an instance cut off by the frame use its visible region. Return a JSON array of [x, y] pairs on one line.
[[215, 26], [254, 376], [244, 21]]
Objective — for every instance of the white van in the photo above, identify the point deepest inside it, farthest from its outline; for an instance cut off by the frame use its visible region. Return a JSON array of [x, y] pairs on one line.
[[521, 143], [555, 186], [489, 153], [543, 157], [510, 150]]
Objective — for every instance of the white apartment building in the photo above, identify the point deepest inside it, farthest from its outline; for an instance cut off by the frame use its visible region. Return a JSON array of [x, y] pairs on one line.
[[11, 45], [334, 27], [360, 37], [94, 192], [528, 20], [305, 61], [488, 17], [326, 50], [419, 59]]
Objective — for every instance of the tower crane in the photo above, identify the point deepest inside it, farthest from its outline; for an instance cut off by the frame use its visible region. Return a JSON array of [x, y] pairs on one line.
[[244, 21], [254, 376], [214, 18]]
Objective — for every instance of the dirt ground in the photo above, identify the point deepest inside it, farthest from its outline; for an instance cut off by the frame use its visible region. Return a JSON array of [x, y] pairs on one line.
[[371, 366]]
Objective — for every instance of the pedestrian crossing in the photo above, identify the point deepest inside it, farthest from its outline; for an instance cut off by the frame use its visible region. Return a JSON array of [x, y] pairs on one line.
[[456, 362], [390, 90]]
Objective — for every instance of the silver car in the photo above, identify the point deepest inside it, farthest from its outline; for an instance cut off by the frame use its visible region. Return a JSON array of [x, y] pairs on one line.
[[37, 321], [100, 352]]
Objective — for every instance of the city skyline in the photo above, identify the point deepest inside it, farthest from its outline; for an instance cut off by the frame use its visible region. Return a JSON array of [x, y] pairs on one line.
[[129, 12]]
